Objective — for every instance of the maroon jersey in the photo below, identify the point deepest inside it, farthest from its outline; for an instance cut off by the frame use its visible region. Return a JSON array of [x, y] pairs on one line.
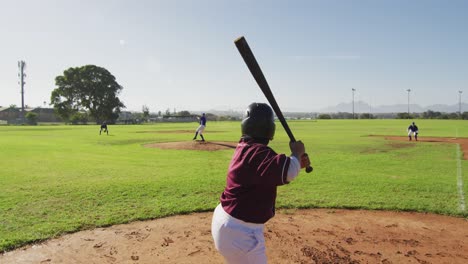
[[254, 173]]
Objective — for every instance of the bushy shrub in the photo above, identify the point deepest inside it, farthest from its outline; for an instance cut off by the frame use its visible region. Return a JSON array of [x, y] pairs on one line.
[[31, 118], [324, 116]]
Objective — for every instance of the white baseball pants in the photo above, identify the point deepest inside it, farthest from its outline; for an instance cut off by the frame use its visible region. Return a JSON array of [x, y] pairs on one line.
[[200, 129], [238, 241]]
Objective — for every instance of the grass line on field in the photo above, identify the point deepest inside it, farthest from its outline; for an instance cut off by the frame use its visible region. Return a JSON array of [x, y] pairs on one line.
[[460, 179]]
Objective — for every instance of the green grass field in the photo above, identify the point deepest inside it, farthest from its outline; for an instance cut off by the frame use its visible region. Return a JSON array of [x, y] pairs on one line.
[[59, 179]]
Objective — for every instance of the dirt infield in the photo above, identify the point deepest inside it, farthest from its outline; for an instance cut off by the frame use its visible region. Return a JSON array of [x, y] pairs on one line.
[[303, 236], [195, 145], [292, 236], [462, 141]]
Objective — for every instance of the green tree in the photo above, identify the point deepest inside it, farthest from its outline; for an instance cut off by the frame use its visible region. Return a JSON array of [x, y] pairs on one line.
[[453, 116], [464, 115], [31, 117], [184, 113], [366, 116], [403, 115], [429, 114], [79, 117], [324, 116], [87, 88]]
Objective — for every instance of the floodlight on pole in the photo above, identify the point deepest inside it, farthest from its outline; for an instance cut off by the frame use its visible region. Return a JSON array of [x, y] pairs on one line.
[[352, 89], [459, 101], [409, 90]]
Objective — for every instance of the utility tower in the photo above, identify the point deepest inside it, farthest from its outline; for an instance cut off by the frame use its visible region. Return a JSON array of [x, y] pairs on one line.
[[21, 82], [352, 89], [409, 90], [459, 102]]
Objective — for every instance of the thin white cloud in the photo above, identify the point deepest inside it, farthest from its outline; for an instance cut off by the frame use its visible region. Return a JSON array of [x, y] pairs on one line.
[[326, 57], [344, 57], [122, 42]]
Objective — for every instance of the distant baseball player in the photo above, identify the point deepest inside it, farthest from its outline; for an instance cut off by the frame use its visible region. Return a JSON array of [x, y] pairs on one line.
[[201, 128], [248, 200], [104, 128], [413, 129]]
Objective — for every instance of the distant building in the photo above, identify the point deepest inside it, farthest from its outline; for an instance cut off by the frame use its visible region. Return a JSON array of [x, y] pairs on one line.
[[13, 115], [46, 115], [126, 117], [10, 114], [177, 118]]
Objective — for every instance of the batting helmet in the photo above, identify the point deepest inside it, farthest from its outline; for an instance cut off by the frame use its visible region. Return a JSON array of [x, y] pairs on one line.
[[259, 121]]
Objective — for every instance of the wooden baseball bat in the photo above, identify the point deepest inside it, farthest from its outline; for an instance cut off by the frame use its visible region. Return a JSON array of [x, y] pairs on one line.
[[257, 73]]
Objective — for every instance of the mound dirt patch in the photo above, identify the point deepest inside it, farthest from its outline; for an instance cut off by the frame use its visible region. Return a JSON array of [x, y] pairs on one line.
[[302, 236], [194, 145], [462, 141], [176, 131]]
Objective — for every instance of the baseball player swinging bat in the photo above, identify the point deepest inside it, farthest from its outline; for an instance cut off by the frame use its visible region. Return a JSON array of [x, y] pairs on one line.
[[257, 73]]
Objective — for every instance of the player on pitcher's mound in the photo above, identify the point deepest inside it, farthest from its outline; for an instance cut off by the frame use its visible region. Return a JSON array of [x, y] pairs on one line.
[[248, 200], [201, 128]]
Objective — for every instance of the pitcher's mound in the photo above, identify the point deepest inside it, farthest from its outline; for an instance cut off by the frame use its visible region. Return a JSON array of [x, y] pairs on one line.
[[195, 145], [462, 141]]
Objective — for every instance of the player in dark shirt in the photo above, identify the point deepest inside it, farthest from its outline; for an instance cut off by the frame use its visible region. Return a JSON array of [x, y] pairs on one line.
[[248, 200], [413, 129], [104, 127], [201, 127]]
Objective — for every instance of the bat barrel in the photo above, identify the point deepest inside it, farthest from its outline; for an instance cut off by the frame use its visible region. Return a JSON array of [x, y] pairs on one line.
[[256, 71]]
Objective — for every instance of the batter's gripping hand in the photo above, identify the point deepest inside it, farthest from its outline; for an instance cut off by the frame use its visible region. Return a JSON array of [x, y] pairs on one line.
[[305, 162], [297, 148]]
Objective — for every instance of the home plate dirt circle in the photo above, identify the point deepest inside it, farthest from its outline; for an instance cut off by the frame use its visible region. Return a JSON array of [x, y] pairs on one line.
[[292, 236], [194, 145]]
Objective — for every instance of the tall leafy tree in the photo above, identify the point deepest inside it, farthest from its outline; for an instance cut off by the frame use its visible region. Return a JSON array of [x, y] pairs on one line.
[[89, 89]]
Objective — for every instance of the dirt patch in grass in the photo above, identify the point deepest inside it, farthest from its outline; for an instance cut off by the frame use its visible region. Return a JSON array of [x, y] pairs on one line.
[[399, 145], [195, 145], [302, 236], [421, 140], [391, 146]]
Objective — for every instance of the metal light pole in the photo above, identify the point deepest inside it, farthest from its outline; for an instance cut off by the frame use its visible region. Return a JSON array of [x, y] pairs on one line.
[[21, 82], [409, 90], [459, 101], [352, 89]]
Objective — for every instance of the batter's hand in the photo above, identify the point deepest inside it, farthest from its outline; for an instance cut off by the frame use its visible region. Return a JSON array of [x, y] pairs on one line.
[[297, 149], [305, 162]]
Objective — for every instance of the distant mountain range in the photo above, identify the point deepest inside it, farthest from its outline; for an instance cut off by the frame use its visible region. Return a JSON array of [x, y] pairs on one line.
[[363, 107], [359, 107]]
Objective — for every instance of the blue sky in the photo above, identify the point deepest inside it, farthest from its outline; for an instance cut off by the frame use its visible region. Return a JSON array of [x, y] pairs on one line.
[[180, 54]]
